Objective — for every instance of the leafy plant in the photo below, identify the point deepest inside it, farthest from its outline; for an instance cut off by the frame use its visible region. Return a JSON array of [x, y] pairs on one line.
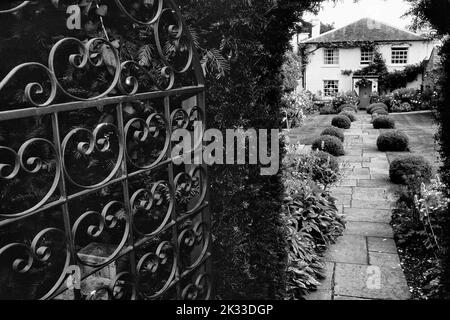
[[392, 141], [383, 122], [329, 144], [349, 115], [333, 131], [341, 121], [411, 167]]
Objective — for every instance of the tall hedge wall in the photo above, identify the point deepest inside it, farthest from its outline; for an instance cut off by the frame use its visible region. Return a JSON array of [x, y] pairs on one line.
[[249, 251]]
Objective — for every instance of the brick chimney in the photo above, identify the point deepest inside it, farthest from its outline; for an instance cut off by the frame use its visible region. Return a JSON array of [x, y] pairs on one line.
[[315, 28]]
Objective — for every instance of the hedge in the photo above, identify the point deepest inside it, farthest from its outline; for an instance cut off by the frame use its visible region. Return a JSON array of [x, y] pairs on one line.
[[333, 131], [329, 144], [410, 169], [341, 121], [393, 141]]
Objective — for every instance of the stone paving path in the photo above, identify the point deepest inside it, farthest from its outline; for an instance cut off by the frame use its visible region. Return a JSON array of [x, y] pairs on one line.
[[364, 263]]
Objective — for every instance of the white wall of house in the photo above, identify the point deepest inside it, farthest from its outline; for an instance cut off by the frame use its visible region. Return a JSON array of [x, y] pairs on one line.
[[350, 59]]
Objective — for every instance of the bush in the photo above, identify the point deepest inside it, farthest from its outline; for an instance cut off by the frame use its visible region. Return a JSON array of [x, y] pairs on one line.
[[333, 131], [349, 115], [410, 169], [349, 110], [296, 104], [327, 109], [312, 218], [383, 122], [349, 98], [400, 107], [380, 111], [329, 144], [393, 141], [342, 122], [376, 105], [347, 106]]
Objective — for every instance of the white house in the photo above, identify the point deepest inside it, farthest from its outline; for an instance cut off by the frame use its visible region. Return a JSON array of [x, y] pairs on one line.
[[334, 55]]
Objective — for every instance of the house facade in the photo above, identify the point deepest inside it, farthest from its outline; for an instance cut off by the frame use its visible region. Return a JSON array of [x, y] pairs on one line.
[[333, 57]]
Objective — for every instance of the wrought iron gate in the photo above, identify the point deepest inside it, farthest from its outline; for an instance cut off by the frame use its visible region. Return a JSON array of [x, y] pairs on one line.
[[92, 205]]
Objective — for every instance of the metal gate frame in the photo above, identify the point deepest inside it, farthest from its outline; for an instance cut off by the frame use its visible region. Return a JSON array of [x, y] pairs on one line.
[[189, 230]]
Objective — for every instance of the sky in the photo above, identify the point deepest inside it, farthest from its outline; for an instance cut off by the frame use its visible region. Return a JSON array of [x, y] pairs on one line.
[[344, 12]]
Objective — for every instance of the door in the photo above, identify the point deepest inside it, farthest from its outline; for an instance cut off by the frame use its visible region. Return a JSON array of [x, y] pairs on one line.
[[364, 95]]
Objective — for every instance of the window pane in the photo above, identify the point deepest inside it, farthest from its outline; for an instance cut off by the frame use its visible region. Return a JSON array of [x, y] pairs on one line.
[[331, 56], [330, 87], [399, 55], [366, 56]]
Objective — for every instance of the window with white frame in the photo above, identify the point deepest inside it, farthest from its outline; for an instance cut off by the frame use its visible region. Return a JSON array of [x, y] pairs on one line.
[[366, 55], [330, 87], [331, 56], [399, 55]]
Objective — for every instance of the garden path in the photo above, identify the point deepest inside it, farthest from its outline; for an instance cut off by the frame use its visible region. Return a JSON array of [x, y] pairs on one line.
[[364, 263]]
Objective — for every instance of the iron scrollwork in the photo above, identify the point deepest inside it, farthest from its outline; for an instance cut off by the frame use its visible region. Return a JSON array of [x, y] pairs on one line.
[[112, 205]]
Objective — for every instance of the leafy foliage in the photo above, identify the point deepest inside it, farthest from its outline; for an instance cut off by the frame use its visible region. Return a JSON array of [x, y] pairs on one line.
[[291, 70], [349, 115], [392, 141], [341, 121], [383, 122], [249, 236], [329, 144], [311, 216], [333, 131], [412, 167]]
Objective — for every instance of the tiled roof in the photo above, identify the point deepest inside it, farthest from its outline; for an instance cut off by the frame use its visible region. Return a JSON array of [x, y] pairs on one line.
[[366, 30]]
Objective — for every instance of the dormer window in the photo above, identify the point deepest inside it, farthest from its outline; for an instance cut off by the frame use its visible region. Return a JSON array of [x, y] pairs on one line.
[[331, 56], [366, 56], [399, 55]]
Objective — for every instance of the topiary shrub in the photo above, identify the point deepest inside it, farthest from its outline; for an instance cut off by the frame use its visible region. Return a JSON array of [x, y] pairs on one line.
[[325, 158], [383, 122], [410, 169], [393, 141], [327, 109], [341, 121], [347, 109], [333, 131], [380, 112], [347, 106], [329, 144], [376, 105], [349, 115]]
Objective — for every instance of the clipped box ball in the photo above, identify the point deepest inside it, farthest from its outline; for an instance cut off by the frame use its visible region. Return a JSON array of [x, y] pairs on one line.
[[410, 168], [393, 141], [329, 144], [341, 121]]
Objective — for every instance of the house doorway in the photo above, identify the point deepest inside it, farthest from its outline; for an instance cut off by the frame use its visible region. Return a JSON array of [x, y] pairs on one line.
[[364, 95]]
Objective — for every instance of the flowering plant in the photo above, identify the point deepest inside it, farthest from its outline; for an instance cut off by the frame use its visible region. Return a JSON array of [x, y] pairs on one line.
[[431, 203], [296, 104]]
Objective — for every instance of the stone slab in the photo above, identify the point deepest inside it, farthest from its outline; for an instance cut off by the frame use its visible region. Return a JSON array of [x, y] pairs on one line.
[[348, 249], [319, 295], [348, 183], [382, 245], [341, 191], [369, 229], [348, 298], [385, 259], [370, 282], [327, 283], [367, 215], [376, 204], [367, 183]]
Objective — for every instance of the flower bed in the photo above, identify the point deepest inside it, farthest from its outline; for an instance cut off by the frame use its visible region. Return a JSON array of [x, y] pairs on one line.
[[311, 217]]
